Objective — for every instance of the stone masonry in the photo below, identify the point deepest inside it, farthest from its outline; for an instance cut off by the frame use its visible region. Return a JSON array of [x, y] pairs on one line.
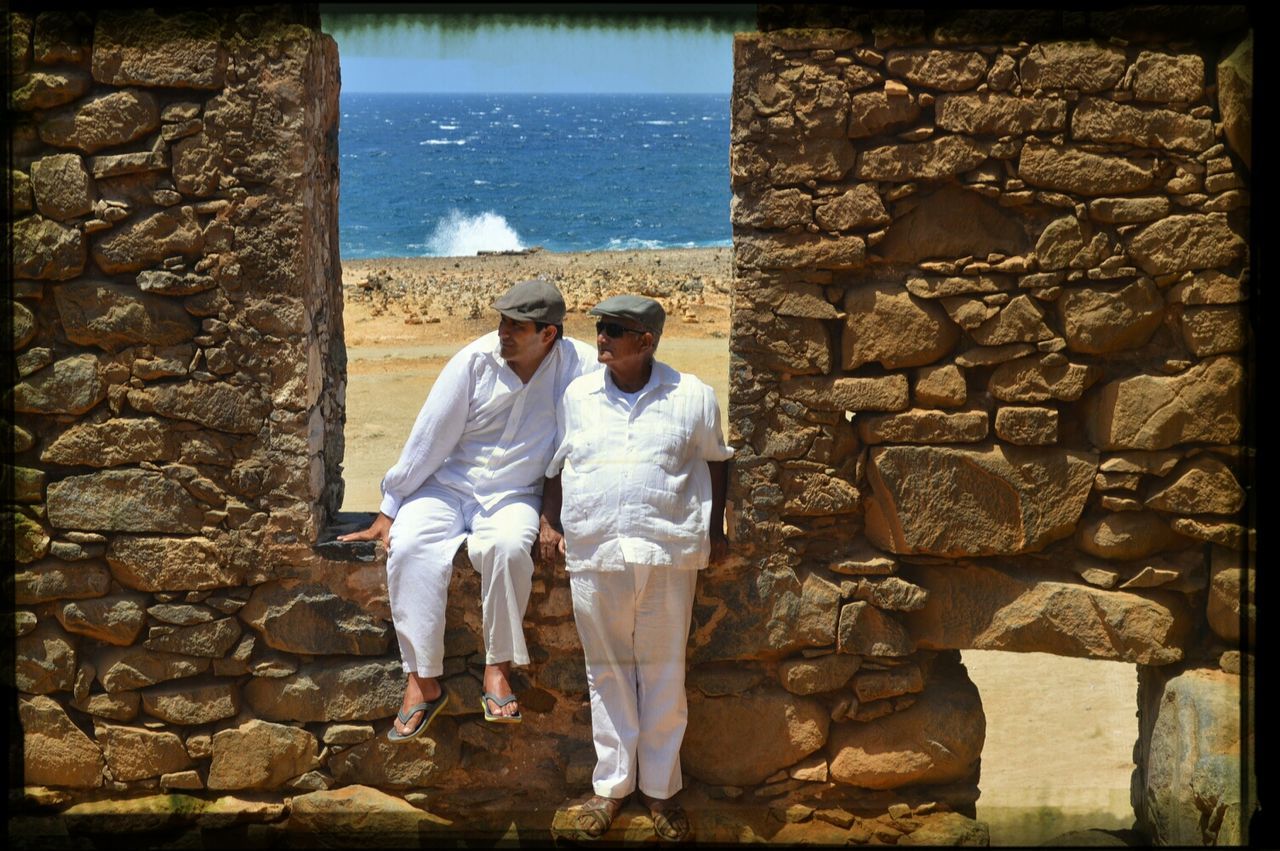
[[989, 365], [990, 355]]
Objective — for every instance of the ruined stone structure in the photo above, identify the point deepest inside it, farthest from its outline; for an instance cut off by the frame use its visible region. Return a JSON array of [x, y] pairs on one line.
[[989, 382]]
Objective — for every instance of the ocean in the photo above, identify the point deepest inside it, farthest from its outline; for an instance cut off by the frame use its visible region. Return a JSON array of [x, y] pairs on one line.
[[432, 175]]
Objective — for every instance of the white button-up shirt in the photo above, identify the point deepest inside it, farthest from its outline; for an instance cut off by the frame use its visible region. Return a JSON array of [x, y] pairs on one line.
[[484, 431], [634, 472]]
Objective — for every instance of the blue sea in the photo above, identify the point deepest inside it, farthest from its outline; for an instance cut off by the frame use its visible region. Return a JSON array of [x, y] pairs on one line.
[[447, 175]]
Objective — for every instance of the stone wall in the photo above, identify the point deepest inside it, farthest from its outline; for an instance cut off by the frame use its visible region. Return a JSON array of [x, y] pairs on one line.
[[989, 367], [989, 363]]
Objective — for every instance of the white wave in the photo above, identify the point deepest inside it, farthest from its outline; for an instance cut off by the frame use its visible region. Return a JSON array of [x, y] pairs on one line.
[[460, 235], [448, 126], [632, 243], [479, 183], [443, 142], [657, 122]]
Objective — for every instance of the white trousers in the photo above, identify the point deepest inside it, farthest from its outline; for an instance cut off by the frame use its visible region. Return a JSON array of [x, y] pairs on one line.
[[425, 536], [634, 626]]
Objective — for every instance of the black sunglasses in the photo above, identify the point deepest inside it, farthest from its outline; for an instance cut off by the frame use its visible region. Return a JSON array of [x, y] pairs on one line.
[[613, 330]]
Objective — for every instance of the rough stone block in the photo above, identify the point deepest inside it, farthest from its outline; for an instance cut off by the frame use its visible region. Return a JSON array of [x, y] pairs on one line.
[[1104, 120], [339, 690], [1083, 173], [814, 676], [136, 754], [1214, 330], [1029, 379], [791, 251], [940, 386], [102, 121], [924, 426], [773, 208], [127, 668], [888, 393], [62, 186], [939, 158], [212, 640], [1235, 98], [948, 70], [874, 113], [1166, 77], [121, 440], [1127, 535], [1187, 242], [52, 579], [937, 740], [113, 620], [149, 241], [142, 47], [115, 316], [866, 631], [193, 702], [963, 502], [44, 660], [1122, 211], [1098, 320], [1204, 485], [1000, 115], [55, 752], [1027, 610], [885, 323], [1202, 404], [45, 250], [742, 740], [1081, 65], [1027, 426], [124, 500], [312, 620], [860, 207], [1189, 788], [158, 563], [48, 89], [260, 755], [222, 407]]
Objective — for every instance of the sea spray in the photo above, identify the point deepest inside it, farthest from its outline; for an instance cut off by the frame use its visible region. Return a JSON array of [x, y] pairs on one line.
[[460, 235]]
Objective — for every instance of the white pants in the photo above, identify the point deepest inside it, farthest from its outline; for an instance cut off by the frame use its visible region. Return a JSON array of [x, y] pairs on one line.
[[634, 626], [425, 536]]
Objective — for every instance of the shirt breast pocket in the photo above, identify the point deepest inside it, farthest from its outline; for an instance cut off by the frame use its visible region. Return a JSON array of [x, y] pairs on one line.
[[671, 448]]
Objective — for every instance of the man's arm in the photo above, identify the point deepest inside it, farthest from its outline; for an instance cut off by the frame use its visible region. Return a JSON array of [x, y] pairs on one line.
[[719, 489], [435, 433], [550, 532]]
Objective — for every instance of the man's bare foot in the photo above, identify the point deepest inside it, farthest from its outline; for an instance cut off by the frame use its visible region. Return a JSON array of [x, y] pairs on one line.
[[417, 690], [497, 684]]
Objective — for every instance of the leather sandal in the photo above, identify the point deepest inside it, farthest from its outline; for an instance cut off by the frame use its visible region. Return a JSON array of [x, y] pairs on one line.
[[670, 822], [593, 818]]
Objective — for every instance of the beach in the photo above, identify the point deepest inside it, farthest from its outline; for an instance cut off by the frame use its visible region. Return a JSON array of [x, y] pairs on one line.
[[1060, 731]]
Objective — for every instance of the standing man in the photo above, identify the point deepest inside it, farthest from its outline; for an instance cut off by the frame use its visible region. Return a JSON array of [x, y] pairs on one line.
[[472, 471], [638, 480]]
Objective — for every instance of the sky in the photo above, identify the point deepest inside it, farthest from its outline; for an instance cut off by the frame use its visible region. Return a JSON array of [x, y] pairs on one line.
[[533, 54]]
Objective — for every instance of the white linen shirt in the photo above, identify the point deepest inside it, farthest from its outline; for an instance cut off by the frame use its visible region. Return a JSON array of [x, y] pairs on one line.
[[484, 431], [636, 485]]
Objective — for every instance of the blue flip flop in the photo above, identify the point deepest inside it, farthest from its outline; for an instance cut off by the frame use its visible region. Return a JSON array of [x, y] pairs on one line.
[[429, 709], [501, 702]]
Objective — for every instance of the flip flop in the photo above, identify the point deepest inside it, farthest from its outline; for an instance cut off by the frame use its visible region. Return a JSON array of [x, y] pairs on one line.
[[429, 709], [501, 702]]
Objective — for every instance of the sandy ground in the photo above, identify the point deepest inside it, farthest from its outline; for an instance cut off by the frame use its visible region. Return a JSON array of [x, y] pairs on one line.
[[1060, 732]]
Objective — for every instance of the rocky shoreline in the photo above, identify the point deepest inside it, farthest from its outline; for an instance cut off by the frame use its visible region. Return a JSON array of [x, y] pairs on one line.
[[688, 281]]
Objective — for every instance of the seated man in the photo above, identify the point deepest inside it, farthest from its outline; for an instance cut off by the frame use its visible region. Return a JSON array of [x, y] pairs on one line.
[[638, 480], [472, 470]]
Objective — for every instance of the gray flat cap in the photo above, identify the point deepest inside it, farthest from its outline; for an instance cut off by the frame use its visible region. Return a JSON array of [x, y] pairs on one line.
[[637, 308], [534, 300]]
